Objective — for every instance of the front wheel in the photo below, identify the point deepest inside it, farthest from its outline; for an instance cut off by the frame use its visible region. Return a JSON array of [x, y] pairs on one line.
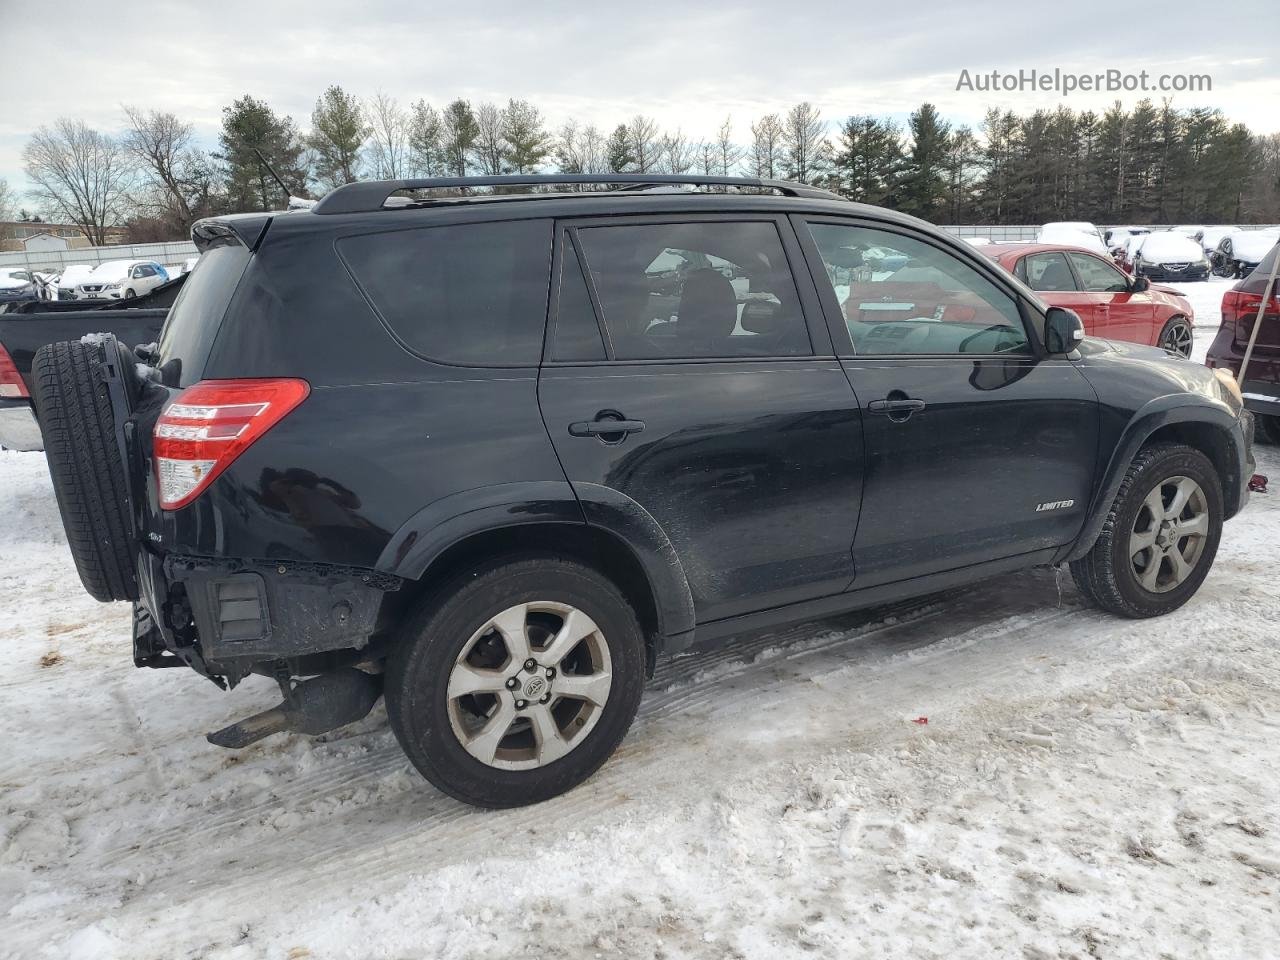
[[517, 682], [1160, 536], [1177, 337]]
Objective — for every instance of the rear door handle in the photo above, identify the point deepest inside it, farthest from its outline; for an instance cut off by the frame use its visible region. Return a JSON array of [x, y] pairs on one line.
[[596, 428], [908, 406]]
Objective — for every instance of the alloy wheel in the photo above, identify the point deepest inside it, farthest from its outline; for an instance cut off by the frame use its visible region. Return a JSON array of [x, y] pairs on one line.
[[1169, 534], [1178, 338], [529, 685]]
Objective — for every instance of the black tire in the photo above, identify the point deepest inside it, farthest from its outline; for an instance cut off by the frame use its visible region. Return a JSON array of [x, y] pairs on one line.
[[1269, 428], [84, 462], [418, 672], [1172, 336], [129, 294], [1105, 574]]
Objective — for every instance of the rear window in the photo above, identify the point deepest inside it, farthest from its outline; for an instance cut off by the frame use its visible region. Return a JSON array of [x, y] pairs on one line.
[[473, 294], [196, 315]]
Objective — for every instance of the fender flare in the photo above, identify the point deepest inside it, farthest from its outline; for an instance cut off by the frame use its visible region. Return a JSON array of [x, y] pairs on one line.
[[1157, 413], [443, 523]]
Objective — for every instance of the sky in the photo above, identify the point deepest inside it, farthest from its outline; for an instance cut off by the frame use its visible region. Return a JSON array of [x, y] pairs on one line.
[[688, 65]]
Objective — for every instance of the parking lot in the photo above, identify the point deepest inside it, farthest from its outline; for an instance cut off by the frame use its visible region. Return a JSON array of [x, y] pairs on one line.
[[999, 770]]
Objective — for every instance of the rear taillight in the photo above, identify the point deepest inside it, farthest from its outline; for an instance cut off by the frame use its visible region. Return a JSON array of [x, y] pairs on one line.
[[12, 385], [210, 424], [1240, 305]]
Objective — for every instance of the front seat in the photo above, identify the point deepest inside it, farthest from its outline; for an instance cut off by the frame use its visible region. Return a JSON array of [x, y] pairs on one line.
[[707, 315]]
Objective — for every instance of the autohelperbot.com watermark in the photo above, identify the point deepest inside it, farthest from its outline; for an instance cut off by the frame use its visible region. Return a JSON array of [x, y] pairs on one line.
[[1067, 82]]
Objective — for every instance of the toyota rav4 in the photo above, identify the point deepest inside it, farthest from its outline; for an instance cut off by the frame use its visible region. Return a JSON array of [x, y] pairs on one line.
[[493, 453]]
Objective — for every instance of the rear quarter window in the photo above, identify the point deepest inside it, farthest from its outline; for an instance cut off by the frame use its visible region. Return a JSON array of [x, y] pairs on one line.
[[472, 294], [193, 322]]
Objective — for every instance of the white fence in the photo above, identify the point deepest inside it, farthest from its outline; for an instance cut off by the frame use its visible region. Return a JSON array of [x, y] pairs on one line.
[[53, 261]]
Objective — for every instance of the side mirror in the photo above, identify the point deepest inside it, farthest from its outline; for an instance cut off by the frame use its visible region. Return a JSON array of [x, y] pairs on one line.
[[1139, 285], [1063, 331]]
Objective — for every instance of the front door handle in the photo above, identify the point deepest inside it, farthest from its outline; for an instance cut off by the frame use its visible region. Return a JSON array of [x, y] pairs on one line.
[[605, 427]]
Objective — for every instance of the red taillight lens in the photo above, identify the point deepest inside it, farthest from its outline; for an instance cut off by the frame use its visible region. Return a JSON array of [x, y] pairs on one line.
[[209, 425], [12, 385]]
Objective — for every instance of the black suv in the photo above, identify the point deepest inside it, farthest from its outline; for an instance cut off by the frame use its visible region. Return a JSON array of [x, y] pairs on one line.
[[492, 453]]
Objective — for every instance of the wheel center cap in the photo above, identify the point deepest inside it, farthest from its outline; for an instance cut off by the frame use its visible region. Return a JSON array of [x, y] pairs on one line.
[[535, 687], [1168, 534]]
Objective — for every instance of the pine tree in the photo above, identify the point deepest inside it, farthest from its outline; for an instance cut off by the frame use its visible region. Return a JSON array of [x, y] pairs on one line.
[[426, 150], [458, 135], [338, 133], [923, 190], [617, 151], [525, 135], [248, 125], [869, 159]]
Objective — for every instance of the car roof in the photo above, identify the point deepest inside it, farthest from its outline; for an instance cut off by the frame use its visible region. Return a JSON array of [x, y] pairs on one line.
[[1015, 251]]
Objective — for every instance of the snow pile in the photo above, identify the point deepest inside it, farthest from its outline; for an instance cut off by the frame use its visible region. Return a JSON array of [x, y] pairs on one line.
[[1083, 786]]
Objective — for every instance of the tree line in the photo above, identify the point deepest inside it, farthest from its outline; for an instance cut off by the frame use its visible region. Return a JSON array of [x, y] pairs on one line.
[[1149, 164]]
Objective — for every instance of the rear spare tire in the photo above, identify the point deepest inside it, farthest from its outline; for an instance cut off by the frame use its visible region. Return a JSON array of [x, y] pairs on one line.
[[84, 461]]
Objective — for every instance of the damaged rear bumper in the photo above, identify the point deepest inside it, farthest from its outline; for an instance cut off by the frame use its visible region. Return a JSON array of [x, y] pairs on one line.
[[224, 617]]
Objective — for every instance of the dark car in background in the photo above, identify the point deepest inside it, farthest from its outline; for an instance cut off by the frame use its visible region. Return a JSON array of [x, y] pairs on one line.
[[19, 285], [494, 454], [1239, 252], [1240, 306], [1167, 255]]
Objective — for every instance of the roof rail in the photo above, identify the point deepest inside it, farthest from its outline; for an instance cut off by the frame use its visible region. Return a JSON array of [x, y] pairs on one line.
[[368, 195]]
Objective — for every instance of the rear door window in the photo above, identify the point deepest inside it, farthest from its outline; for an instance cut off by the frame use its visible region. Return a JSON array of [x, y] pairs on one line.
[[472, 294], [196, 316], [695, 290]]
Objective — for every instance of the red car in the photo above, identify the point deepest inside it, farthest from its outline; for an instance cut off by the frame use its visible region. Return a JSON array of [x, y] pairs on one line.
[[1112, 304]]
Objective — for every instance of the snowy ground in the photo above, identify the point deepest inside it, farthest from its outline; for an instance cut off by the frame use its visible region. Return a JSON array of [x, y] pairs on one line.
[[1084, 786]]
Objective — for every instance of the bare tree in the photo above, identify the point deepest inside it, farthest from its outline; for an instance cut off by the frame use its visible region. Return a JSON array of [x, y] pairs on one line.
[[580, 149], [730, 152], [489, 148], [8, 201], [644, 144], [79, 174], [708, 158], [677, 153], [766, 155], [807, 152], [161, 145], [389, 137]]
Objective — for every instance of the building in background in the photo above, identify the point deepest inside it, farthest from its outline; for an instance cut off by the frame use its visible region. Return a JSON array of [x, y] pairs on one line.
[[34, 236]]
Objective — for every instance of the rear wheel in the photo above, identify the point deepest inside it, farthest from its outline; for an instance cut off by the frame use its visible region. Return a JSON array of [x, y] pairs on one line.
[[1160, 536], [1177, 336], [517, 682]]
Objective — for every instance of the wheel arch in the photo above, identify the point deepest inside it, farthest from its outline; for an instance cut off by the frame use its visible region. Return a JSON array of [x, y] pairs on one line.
[[1185, 419], [605, 530]]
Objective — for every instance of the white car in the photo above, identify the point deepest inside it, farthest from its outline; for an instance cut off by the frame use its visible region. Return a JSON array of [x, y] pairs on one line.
[[1073, 234], [121, 280]]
